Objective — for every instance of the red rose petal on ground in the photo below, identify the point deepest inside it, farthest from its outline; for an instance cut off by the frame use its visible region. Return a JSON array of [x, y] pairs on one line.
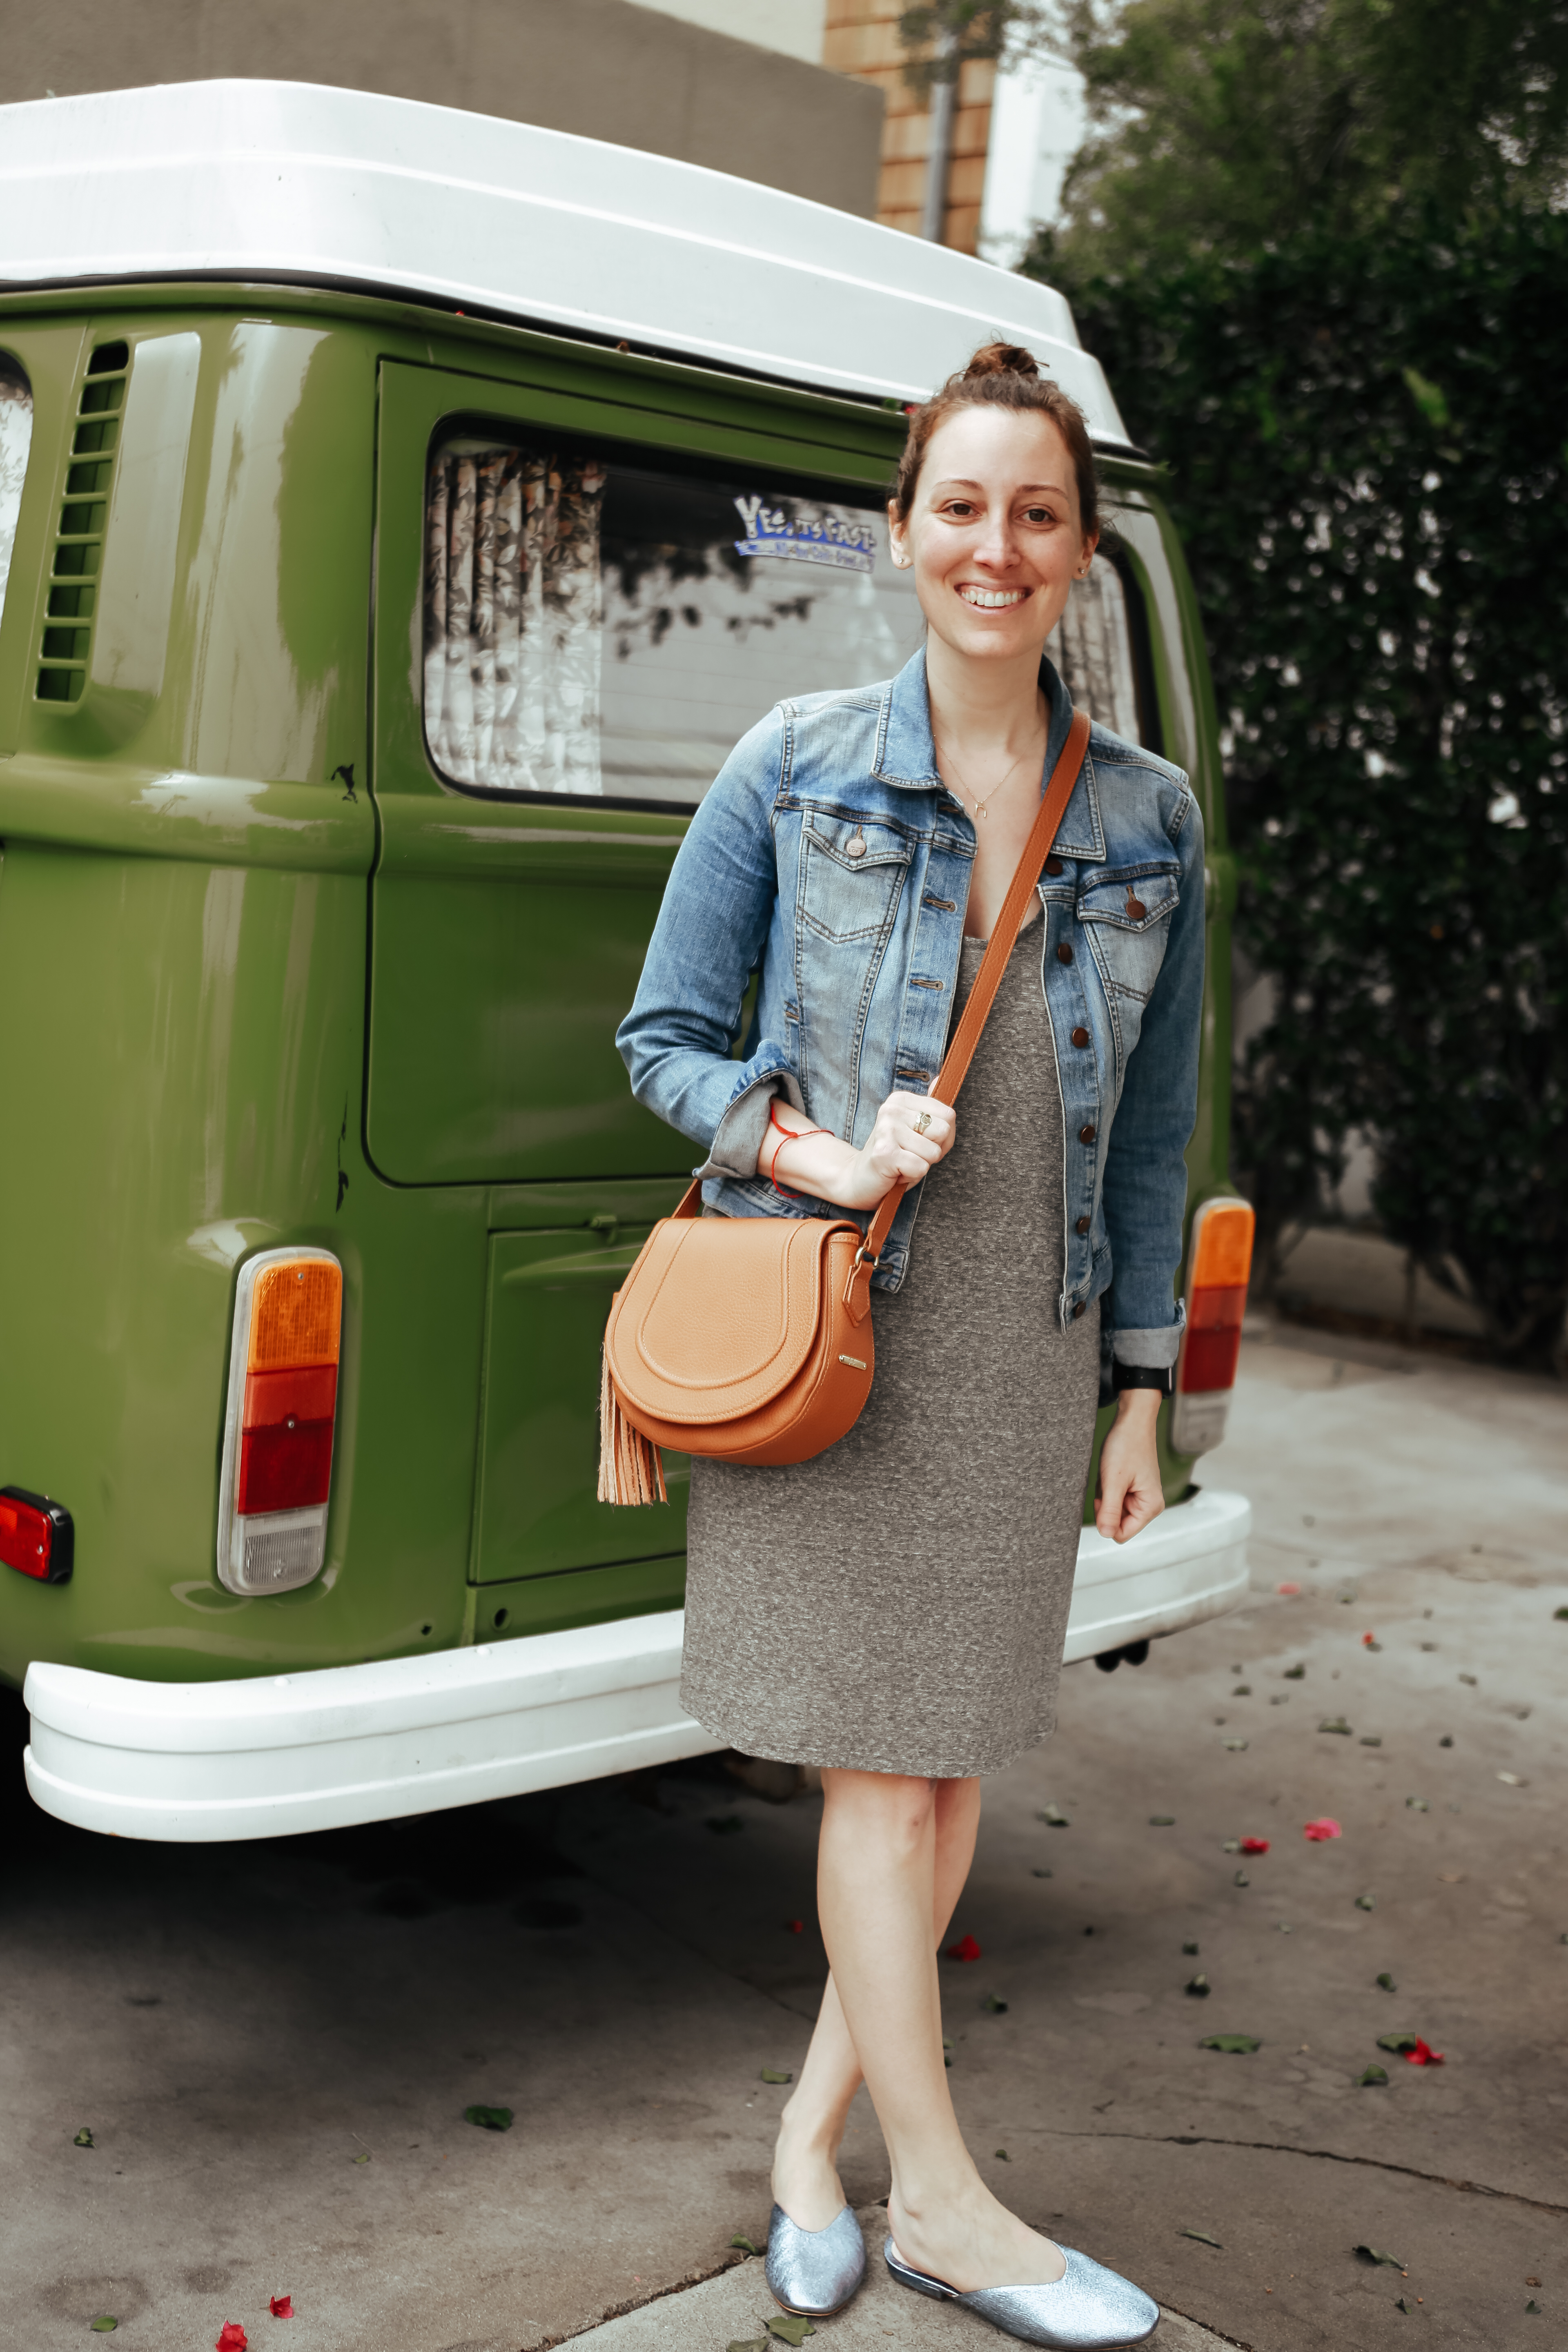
[[1319, 1830], [233, 2338], [1422, 2056], [282, 2306], [795, 1926], [966, 1948], [1369, 1640], [1255, 1846], [1290, 1591]]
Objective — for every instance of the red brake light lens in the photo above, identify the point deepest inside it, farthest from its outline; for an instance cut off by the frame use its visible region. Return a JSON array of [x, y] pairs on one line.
[[290, 1388], [1217, 1297]]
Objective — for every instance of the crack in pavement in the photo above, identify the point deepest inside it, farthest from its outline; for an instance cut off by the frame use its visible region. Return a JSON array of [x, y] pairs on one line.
[[1326, 2155]]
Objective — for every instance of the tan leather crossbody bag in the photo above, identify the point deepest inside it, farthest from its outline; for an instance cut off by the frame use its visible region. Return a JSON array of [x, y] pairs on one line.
[[749, 1338]]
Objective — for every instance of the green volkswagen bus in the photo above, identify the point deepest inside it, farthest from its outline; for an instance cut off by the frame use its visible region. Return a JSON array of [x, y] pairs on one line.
[[401, 512]]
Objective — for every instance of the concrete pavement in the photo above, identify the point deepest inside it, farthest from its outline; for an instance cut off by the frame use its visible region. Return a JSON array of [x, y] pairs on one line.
[[273, 2045]]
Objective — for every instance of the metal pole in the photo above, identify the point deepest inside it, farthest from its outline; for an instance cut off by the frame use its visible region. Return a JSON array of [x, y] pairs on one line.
[[939, 161]]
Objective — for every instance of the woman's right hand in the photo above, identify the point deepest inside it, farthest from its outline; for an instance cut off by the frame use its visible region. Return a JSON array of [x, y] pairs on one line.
[[896, 1150]]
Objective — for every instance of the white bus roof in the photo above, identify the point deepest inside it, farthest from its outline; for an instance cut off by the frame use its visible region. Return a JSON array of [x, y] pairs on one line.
[[258, 180]]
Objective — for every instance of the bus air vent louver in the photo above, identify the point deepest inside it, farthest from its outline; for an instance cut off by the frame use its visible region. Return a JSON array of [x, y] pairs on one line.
[[78, 549]]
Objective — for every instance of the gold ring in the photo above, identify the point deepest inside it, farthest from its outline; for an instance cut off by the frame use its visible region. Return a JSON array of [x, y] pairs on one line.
[[922, 1123]]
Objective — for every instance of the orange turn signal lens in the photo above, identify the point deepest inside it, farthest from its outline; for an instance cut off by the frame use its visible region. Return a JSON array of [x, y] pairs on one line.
[[296, 1315], [1222, 1255], [1217, 1297]]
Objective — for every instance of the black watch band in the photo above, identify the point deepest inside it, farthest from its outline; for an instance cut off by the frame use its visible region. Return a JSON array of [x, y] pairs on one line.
[[1162, 1377]]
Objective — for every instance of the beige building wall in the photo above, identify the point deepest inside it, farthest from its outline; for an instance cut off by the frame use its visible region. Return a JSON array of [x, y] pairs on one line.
[[606, 68], [794, 27], [862, 40]]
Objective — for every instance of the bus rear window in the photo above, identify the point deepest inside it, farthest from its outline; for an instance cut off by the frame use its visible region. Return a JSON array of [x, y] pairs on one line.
[[599, 628], [15, 439]]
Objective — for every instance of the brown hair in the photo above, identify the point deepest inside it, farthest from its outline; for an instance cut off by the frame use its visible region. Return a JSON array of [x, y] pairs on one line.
[[1001, 375]]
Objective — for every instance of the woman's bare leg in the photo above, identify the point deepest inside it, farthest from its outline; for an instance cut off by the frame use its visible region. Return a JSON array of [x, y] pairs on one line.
[[877, 1882], [805, 2161]]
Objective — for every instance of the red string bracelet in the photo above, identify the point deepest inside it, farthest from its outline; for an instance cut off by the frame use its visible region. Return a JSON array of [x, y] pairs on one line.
[[787, 1135]]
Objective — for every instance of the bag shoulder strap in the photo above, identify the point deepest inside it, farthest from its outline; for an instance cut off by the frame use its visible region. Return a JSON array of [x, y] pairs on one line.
[[988, 980]]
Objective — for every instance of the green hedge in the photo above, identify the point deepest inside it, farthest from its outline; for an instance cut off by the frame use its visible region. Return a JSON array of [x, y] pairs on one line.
[[1367, 449]]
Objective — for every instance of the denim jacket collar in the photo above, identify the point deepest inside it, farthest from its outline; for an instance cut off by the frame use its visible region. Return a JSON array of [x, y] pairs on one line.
[[905, 754]]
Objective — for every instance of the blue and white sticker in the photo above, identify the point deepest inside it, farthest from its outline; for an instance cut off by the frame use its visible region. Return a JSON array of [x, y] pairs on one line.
[[844, 546]]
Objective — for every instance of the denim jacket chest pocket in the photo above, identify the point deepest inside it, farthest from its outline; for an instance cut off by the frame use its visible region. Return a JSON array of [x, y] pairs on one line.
[[850, 884], [1126, 914]]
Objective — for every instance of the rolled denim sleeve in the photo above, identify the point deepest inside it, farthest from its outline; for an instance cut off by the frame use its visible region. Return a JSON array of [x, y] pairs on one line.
[[1145, 1188], [711, 930]]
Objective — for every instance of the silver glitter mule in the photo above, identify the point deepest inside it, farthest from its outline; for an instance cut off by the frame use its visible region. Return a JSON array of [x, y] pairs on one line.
[[1088, 2309], [815, 2272]]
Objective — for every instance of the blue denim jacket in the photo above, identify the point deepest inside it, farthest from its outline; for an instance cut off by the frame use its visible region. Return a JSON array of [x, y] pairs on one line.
[[858, 957]]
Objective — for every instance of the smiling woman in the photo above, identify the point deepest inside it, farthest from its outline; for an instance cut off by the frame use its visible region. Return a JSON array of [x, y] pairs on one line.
[[891, 1609]]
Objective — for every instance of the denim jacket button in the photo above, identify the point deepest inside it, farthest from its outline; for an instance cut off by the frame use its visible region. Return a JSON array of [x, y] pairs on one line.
[[1081, 1226], [1086, 1134], [1077, 1311], [1064, 952], [1053, 865], [1080, 1037], [855, 846]]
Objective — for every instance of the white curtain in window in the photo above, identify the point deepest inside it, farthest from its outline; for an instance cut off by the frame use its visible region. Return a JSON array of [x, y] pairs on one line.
[[1092, 648], [16, 438], [512, 619]]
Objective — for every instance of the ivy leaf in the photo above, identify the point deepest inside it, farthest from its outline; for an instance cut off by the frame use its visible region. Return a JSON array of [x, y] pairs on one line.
[[1375, 2254], [489, 2119], [745, 2246], [1335, 1723], [1366, 1903], [104, 2325], [750, 2344], [1054, 1817], [1199, 1987], [1398, 2043], [1386, 1982], [84, 2138], [1294, 1675], [1237, 2045], [1372, 2076]]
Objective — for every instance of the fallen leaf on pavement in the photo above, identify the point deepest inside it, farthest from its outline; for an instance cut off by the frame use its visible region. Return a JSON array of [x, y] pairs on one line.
[[1202, 2236], [1234, 1745], [966, 1948], [1054, 1817], [1242, 1690], [997, 2008], [489, 2119], [1418, 1804], [1231, 1845], [1241, 1879], [1370, 1641], [750, 2344], [745, 2246], [1317, 1831], [1255, 1846], [1397, 2042], [1366, 1903], [282, 2306], [1191, 1951], [1295, 1675], [1533, 2306], [1471, 1680], [1235, 2045], [790, 2328], [104, 2325], [1373, 2076], [1386, 1982], [1450, 1878], [1290, 1590], [1162, 1820], [776, 2074], [1373, 2254], [1003, 2157], [84, 2138], [1372, 1740], [1560, 1612], [1422, 2056], [1335, 1723], [362, 2159], [1200, 1987], [1041, 1874], [1402, 2302], [1512, 1780]]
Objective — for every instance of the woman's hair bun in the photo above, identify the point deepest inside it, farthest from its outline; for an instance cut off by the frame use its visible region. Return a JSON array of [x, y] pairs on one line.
[[1001, 359]]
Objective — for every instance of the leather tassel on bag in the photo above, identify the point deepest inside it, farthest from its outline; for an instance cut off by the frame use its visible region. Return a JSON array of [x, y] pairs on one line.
[[631, 1469]]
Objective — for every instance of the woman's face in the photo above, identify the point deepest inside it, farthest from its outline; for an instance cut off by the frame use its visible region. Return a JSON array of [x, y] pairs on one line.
[[994, 534]]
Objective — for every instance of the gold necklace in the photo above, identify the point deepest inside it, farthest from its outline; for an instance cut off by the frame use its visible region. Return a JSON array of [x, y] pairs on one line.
[[981, 806]]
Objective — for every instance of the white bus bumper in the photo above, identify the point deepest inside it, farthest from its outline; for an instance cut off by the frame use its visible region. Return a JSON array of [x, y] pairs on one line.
[[274, 1754]]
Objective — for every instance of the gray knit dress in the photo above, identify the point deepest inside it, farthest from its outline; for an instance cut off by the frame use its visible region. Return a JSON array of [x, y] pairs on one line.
[[899, 1604]]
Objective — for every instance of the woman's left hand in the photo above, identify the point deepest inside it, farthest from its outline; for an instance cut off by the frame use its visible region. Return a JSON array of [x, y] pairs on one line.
[[1130, 1494]]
